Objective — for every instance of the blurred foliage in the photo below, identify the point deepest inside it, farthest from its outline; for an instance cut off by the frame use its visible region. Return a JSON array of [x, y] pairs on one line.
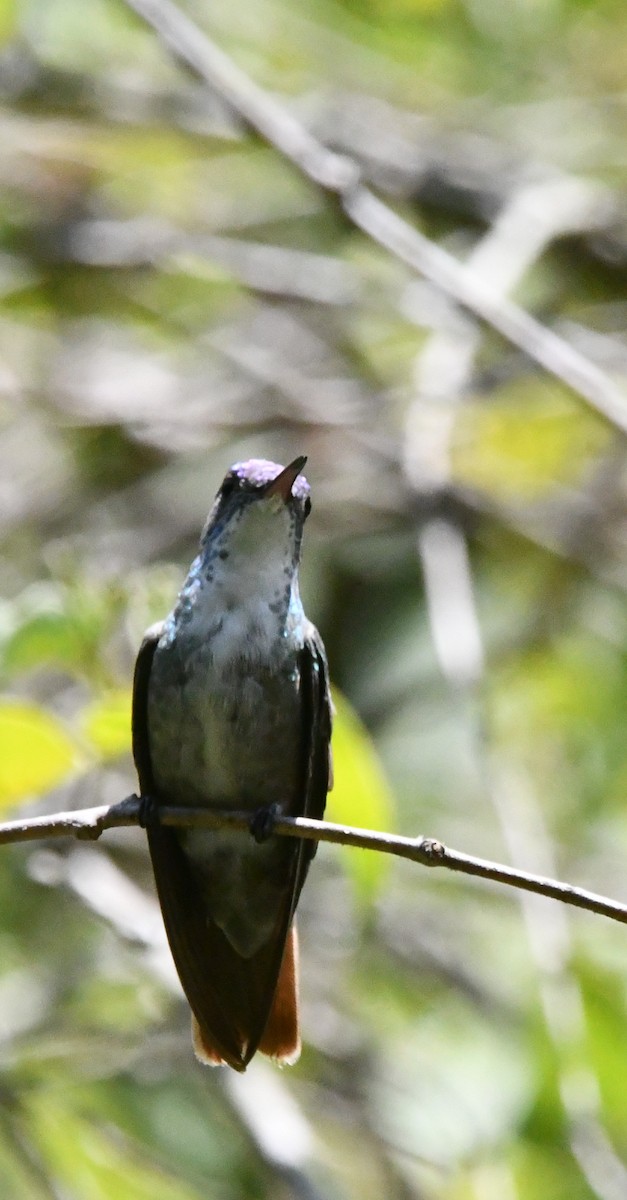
[[360, 795], [35, 752], [173, 297]]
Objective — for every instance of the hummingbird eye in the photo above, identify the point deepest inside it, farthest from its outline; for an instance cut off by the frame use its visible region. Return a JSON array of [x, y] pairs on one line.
[[307, 506], [229, 486]]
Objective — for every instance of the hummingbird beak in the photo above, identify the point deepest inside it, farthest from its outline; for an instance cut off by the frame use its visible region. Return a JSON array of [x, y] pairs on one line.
[[284, 482]]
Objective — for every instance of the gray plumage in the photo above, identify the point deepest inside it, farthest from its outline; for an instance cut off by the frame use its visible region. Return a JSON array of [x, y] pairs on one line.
[[232, 711]]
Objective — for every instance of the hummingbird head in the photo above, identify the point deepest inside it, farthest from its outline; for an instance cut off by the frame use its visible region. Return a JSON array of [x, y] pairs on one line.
[[257, 518]]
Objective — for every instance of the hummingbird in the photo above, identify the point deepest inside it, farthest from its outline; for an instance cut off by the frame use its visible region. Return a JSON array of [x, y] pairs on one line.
[[231, 710]]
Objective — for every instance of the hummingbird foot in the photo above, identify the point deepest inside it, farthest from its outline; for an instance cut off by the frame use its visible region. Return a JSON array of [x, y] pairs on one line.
[[148, 812], [263, 821]]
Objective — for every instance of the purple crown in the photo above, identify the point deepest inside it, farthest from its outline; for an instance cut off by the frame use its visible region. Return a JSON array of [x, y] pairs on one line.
[[258, 471]]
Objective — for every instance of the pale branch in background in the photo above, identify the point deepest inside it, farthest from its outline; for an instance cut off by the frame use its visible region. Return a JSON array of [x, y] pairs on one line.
[[443, 372], [339, 176], [89, 823]]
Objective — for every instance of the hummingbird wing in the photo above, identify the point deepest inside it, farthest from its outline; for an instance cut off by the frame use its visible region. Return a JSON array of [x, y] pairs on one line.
[[316, 716], [239, 1005], [317, 720]]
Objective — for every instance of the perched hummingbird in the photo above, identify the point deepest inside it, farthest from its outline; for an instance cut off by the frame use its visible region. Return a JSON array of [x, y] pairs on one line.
[[231, 709]]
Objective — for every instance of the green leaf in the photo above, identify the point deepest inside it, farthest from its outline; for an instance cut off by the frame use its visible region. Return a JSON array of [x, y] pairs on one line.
[[36, 753], [107, 723], [526, 439], [361, 795], [8, 20], [48, 637]]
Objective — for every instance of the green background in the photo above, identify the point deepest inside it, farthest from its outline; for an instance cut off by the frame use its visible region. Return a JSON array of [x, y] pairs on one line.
[[174, 297]]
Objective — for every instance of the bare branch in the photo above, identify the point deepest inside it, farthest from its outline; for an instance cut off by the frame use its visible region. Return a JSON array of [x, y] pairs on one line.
[[339, 175], [89, 823]]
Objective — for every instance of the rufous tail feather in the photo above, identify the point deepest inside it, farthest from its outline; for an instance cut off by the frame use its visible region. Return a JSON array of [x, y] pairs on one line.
[[281, 1038]]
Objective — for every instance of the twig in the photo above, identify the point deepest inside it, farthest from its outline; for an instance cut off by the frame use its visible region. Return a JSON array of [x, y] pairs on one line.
[[340, 176], [89, 823]]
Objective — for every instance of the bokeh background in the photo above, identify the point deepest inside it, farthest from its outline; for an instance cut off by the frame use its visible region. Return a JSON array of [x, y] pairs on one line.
[[175, 296]]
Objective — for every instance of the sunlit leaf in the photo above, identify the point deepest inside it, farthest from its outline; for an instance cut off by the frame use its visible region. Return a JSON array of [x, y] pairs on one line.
[[36, 753], [8, 19], [524, 440], [107, 723], [361, 794]]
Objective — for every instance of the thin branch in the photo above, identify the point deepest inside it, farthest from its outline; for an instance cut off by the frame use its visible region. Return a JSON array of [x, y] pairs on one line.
[[89, 823], [340, 176], [259, 111]]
